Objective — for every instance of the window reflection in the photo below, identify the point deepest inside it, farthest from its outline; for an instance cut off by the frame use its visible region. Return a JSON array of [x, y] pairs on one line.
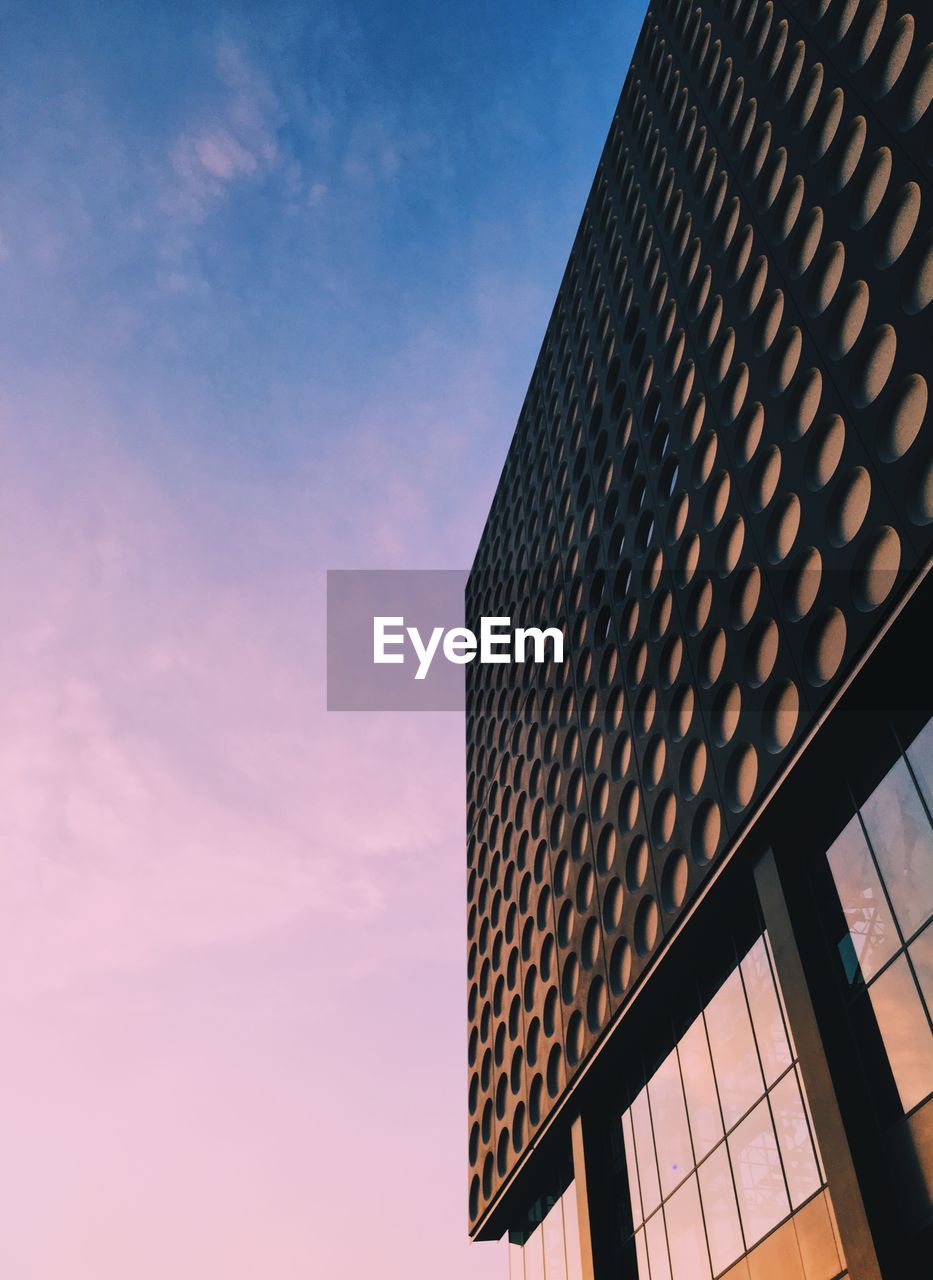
[[899, 832], [548, 1246], [872, 938], [632, 1165], [921, 955], [533, 1255], [720, 1210], [572, 1233], [669, 1120], [793, 1135], [686, 1235], [722, 1187], [656, 1240], [884, 880], [552, 1229], [700, 1089], [759, 1181], [641, 1254], [905, 1031], [644, 1150], [516, 1261], [766, 1012], [920, 755], [735, 1059]]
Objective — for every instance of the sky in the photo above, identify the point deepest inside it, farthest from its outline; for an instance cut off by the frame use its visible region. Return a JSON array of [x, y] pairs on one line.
[[274, 277]]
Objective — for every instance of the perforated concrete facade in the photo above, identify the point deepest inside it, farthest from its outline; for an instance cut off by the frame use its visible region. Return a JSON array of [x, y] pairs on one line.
[[718, 487]]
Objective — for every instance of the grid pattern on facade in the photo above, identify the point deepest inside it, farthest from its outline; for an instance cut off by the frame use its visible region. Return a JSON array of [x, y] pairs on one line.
[[882, 867], [719, 481], [719, 1147]]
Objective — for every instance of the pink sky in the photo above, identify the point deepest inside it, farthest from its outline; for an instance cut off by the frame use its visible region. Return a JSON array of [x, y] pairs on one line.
[[272, 294], [232, 924]]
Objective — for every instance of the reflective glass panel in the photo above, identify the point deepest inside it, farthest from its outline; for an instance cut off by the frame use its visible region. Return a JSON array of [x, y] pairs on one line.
[[921, 953], [516, 1262], [920, 755], [872, 938], [905, 1031], [735, 1058], [555, 1263], [700, 1088], [899, 832], [766, 1012], [669, 1120], [534, 1255], [759, 1181], [572, 1233], [685, 1235], [793, 1135], [720, 1210], [657, 1248], [641, 1255], [644, 1148], [632, 1167]]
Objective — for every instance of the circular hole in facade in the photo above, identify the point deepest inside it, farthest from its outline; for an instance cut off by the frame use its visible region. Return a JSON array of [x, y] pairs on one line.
[[741, 777], [878, 564], [575, 1037], [620, 966], [613, 900], [780, 714], [705, 832], [636, 863], [589, 944], [597, 1004], [554, 1070], [665, 815], [674, 880], [570, 979], [646, 925], [825, 647]]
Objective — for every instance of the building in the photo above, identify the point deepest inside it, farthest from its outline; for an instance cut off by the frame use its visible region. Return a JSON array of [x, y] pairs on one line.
[[700, 864]]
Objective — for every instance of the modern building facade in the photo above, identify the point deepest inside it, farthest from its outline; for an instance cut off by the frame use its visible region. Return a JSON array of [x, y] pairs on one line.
[[700, 861]]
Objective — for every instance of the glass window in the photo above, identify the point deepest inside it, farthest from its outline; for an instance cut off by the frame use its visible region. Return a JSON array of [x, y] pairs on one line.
[[641, 1255], [669, 1120], [700, 1088], [644, 1148], [720, 1210], [921, 954], [920, 755], [632, 1166], [899, 832], [735, 1058], [718, 1196], [657, 1248], [872, 938], [572, 1233], [685, 1234], [533, 1255], [766, 1012], [516, 1262], [905, 1031], [555, 1262], [759, 1181], [793, 1135]]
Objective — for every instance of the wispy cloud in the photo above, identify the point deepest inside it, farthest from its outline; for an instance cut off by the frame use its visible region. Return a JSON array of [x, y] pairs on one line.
[[235, 141]]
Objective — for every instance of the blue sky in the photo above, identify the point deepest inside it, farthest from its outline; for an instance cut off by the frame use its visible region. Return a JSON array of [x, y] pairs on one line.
[[257, 213], [274, 278]]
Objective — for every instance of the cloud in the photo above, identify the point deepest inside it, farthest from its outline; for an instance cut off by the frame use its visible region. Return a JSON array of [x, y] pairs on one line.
[[168, 775], [235, 142]]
